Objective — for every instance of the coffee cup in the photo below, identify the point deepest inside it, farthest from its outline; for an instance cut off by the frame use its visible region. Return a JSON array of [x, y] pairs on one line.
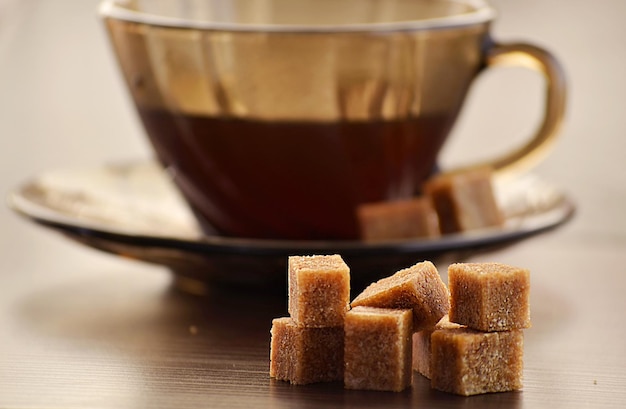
[[277, 119]]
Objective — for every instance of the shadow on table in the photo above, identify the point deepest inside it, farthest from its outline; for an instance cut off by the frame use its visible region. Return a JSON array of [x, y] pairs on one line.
[[420, 395], [132, 316]]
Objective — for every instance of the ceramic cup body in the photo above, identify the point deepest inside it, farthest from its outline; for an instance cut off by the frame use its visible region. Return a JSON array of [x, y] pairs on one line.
[[277, 119]]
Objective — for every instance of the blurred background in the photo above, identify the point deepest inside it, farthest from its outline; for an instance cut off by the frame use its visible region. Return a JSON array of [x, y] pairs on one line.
[[83, 326], [62, 103]]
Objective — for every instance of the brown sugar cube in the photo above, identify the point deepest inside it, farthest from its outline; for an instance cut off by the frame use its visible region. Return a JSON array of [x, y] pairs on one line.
[[464, 200], [489, 296], [398, 220], [304, 355], [421, 346], [319, 290], [377, 352], [418, 288], [469, 362]]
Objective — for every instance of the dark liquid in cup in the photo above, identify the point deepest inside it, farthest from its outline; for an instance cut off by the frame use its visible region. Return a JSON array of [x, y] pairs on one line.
[[292, 180]]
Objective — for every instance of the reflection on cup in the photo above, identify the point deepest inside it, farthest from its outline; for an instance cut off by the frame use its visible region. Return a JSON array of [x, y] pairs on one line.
[[280, 118]]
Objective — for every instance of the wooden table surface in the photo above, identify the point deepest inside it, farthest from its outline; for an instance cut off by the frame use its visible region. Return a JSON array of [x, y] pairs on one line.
[[79, 328]]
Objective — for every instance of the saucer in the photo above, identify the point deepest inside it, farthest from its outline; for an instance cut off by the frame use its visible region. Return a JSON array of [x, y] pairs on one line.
[[133, 210]]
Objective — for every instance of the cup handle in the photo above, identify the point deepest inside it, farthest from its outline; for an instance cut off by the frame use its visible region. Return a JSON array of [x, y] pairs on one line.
[[536, 58]]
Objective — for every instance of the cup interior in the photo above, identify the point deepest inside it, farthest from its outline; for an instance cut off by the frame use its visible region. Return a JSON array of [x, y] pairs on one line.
[[301, 15]]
